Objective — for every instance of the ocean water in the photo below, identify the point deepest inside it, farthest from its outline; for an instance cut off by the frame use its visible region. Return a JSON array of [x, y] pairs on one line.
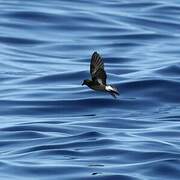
[[52, 128]]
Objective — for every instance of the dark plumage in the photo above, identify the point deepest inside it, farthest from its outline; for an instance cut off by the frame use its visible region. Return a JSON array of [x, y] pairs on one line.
[[98, 75]]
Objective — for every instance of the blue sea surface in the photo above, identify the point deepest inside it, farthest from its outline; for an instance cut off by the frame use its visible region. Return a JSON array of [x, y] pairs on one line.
[[52, 128]]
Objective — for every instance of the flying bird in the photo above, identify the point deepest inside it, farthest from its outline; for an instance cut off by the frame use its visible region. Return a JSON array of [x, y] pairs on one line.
[[98, 76]]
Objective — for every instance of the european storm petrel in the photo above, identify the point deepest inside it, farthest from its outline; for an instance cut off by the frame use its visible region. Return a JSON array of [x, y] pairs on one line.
[[98, 75]]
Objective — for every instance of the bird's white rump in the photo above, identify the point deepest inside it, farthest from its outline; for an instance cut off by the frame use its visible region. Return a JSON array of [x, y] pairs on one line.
[[109, 88]]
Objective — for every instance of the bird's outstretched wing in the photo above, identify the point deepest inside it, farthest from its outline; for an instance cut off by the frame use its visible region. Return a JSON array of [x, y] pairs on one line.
[[97, 71]]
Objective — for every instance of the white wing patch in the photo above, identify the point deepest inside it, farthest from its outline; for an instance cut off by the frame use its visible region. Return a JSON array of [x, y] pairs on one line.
[[99, 81], [109, 88]]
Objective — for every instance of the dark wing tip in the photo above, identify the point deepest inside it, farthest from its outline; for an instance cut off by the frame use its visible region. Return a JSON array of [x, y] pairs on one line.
[[97, 68], [94, 55], [96, 61], [95, 52]]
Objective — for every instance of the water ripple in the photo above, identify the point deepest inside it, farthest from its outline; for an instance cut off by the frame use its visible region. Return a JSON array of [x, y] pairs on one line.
[[54, 128]]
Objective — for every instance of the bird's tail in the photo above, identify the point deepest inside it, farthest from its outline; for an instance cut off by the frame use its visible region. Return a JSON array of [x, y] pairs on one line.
[[112, 90]]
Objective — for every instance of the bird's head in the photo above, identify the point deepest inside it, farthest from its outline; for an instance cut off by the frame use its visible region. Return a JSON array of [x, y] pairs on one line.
[[86, 82]]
